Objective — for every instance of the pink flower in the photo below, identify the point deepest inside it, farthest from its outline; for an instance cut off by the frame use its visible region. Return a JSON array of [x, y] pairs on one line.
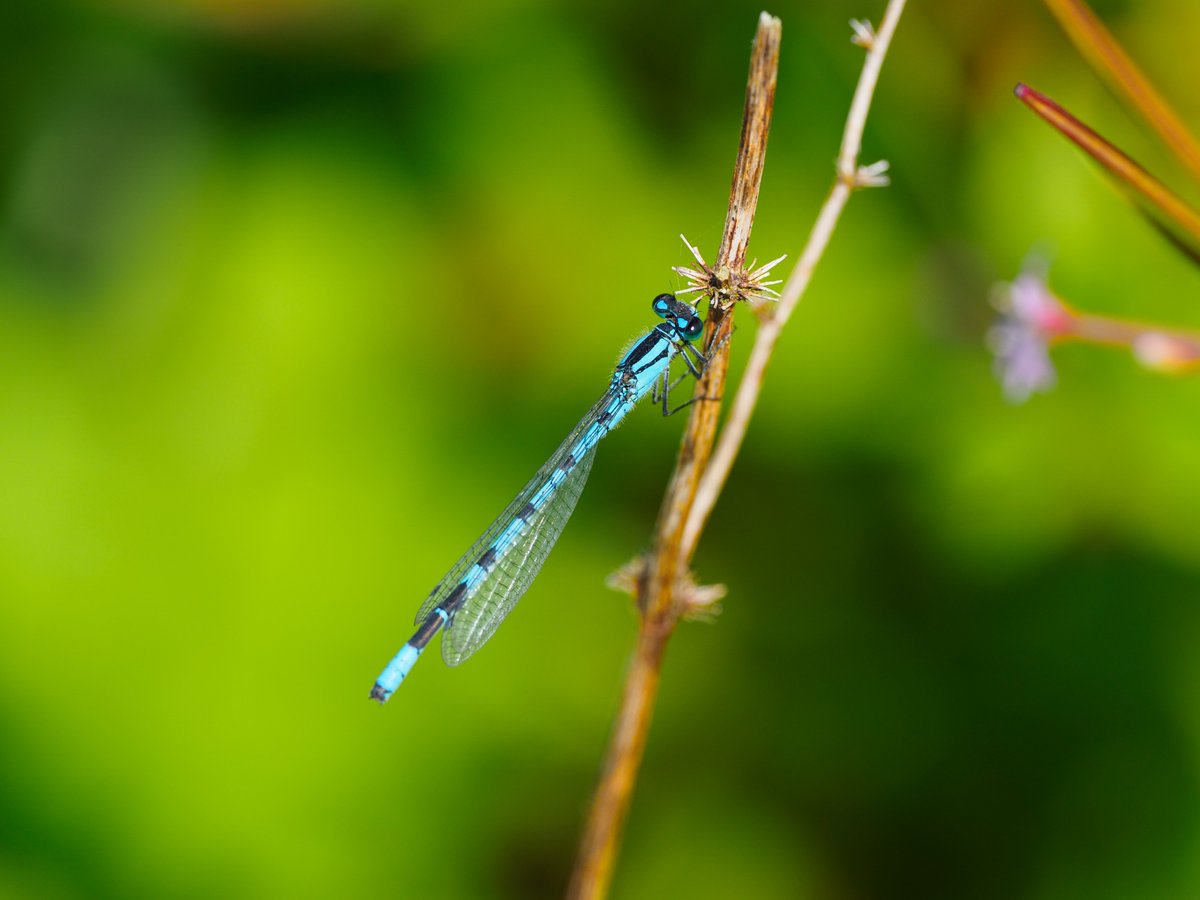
[[1031, 317]]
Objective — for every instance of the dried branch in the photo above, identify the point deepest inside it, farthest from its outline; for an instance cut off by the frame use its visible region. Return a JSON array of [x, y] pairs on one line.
[[658, 579], [849, 177], [662, 580], [1115, 65]]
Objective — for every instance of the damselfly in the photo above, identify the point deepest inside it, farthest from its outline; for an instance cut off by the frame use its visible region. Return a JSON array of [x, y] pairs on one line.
[[482, 588]]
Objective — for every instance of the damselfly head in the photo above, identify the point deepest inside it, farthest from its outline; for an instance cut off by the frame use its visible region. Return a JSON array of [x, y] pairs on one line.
[[681, 315]]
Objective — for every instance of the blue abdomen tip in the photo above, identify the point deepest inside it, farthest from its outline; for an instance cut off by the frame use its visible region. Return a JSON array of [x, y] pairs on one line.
[[396, 670]]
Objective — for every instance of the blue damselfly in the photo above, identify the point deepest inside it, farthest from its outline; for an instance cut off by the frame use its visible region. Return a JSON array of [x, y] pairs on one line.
[[485, 584]]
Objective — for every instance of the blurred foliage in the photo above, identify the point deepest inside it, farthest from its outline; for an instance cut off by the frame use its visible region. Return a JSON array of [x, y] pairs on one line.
[[295, 294]]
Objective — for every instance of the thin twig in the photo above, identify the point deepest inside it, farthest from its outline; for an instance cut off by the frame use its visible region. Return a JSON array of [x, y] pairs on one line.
[[657, 583], [849, 177]]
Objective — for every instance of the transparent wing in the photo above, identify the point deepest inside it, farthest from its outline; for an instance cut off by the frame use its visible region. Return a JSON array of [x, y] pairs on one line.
[[505, 584], [459, 570]]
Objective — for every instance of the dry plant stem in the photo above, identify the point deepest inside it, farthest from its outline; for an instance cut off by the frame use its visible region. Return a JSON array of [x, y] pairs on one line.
[[1115, 332], [657, 587], [752, 144], [1110, 60], [848, 178]]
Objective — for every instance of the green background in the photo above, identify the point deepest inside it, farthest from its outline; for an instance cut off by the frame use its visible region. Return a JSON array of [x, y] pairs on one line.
[[294, 295]]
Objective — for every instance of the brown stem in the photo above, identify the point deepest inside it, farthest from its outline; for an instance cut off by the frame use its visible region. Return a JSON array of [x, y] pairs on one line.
[[1115, 332], [665, 568], [1109, 59], [849, 178], [597, 853]]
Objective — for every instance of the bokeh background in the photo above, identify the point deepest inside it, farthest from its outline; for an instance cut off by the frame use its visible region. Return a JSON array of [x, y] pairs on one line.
[[295, 294]]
